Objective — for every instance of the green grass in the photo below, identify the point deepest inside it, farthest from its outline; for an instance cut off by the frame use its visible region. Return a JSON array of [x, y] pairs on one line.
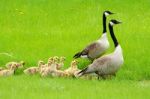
[[39, 88], [31, 30]]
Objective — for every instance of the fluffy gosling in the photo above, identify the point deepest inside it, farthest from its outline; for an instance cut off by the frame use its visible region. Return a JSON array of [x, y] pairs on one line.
[[44, 71], [59, 73], [61, 63], [41, 65], [31, 70], [34, 70], [1, 68], [18, 64], [73, 69], [51, 69], [8, 72]]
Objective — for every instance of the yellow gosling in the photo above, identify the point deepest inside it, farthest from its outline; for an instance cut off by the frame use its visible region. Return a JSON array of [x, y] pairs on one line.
[[1, 68], [73, 69], [31, 70], [50, 59], [61, 63], [44, 69], [18, 64], [59, 73], [34, 70], [8, 72], [51, 68], [41, 65], [56, 59]]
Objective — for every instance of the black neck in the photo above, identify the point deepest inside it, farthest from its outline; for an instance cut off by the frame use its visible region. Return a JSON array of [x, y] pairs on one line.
[[113, 35], [104, 23]]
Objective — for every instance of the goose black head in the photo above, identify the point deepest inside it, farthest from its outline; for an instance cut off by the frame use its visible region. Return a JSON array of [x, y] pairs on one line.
[[106, 13], [114, 22]]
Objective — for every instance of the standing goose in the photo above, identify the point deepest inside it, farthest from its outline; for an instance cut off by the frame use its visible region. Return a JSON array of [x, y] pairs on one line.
[[108, 64], [98, 47]]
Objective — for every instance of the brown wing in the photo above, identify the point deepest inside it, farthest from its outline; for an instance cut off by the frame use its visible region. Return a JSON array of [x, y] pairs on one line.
[[101, 62], [89, 48], [96, 48], [97, 65]]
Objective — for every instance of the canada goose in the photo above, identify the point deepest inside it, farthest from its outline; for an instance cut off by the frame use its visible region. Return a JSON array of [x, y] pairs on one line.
[[55, 72], [31, 70], [8, 72], [19, 64], [34, 69], [59, 73], [1, 68], [107, 64], [46, 69], [56, 59], [51, 67], [73, 69], [50, 59], [98, 47], [60, 63], [41, 64]]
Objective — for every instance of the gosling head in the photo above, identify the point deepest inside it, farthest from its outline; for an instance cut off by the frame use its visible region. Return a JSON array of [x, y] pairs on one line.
[[22, 62], [14, 66], [74, 63], [40, 63], [49, 62], [55, 59], [50, 58], [62, 59]]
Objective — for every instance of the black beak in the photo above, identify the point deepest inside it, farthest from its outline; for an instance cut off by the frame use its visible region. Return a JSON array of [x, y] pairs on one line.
[[112, 13], [118, 22]]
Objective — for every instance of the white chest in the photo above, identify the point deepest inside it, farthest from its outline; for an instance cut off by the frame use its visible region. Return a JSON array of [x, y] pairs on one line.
[[118, 56], [103, 41]]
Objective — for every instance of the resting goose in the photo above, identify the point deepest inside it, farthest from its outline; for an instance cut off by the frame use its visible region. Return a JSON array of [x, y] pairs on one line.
[[108, 64], [97, 48]]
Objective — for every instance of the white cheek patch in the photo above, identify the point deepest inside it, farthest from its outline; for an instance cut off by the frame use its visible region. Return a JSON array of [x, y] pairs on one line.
[[106, 14], [111, 23], [84, 56]]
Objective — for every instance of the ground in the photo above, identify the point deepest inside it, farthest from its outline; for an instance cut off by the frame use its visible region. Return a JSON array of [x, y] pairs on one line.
[[33, 30]]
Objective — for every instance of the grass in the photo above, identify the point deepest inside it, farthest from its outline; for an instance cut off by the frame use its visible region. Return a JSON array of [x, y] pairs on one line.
[[31, 30], [37, 88]]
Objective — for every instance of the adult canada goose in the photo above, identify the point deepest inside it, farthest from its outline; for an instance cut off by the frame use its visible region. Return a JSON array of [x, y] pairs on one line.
[[98, 47], [107, 64]]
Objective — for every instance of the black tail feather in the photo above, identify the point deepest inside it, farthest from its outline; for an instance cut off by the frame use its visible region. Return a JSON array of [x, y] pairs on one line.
[[82, 72], [77, 55]]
